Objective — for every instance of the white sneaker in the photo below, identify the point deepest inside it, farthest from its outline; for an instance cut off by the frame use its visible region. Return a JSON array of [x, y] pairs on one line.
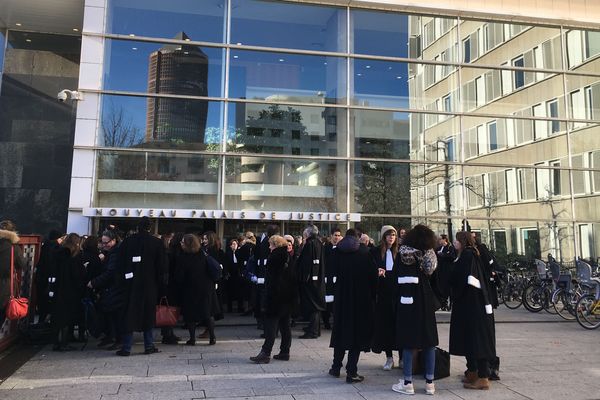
[[429, 388], [400, 387], [389, 364]]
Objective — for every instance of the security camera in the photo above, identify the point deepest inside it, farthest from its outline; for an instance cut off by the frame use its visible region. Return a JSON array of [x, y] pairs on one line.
[[67, 94]]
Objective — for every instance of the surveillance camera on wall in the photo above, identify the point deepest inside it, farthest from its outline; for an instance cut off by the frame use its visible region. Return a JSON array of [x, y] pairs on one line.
[[67, 94]]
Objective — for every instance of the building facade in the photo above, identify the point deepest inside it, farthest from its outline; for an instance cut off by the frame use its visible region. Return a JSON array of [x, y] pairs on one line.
[[223, 114]]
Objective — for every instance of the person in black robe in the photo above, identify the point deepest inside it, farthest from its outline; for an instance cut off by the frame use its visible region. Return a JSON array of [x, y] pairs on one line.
[[143, 271], [197, 288], [330, 276], [384, 255], [233, 273], [440, 279], [311, 270], [280, 296], [66, 288], [353, 306], [42, 273], [472, 333], [416, 326], [172, 245], [246, 251], [261, 255]]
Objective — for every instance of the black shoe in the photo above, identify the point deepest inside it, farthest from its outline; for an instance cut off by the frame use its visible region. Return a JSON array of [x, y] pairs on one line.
[[354, 378], [494, 376], [308, 336], [170, 340], [327, 326], [191, 342], [282, 357], [212, 341], [334, 372], [151, 350], [114, 346], [122, 353], [261, 358]]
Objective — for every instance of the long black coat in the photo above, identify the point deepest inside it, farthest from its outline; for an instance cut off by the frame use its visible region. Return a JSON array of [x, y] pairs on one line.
[[472, 332], [143, 272], [110, 289], [488, 265], [384, 335], [416, 326], [311, 269], [354, 296], [42, 273], [197, 287], [9, 239], [330, 274], [280, 284], [67, 288]]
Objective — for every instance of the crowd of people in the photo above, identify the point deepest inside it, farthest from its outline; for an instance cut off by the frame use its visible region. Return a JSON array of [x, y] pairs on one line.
[[374, 297]]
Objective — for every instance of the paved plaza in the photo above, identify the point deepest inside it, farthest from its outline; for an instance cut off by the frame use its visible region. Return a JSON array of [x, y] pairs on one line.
[[542, 358]]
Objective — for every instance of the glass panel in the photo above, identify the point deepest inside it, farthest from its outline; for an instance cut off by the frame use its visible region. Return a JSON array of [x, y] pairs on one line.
[[2, 44], [372, 225], [153, 122], [256, 183], [403, 188], [287, 77], [588, 238], [516, 141], [163, 68], [584, 99], [585, 152], [403, 85], [583, 47], [396, 135], [286, 25], [508, 91], [157, 180], [526, 240], [200, 20], [504, 192], [498, 43], [400, 35], [282, 129]]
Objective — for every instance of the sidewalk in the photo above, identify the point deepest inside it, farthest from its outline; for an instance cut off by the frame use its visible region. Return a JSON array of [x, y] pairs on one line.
[[546, 359]]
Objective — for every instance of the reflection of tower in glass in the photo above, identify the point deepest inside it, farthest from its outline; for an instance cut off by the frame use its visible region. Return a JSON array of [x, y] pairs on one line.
[[183, 70]]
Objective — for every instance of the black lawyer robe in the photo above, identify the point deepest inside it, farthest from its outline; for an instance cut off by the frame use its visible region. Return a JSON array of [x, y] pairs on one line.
[[354, 296], [384, 336], [198, 290], [311, 269]]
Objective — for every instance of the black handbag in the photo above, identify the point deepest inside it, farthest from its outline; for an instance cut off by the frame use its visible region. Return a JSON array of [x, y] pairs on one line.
[[442, 364]]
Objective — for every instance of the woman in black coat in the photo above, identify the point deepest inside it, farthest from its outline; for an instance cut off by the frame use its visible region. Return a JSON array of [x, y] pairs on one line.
[[472, 331], [198, 289], [384, 335], [66, 289], [415, 316], [245, 251], [280, 295], [173, 288], [211, 245], [233, 275]]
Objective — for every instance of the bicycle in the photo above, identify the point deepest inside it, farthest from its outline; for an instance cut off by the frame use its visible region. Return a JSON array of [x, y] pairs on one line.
[[587, 309]]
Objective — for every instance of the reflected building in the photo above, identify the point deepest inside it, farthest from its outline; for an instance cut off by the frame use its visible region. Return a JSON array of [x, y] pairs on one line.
[[177, 69]]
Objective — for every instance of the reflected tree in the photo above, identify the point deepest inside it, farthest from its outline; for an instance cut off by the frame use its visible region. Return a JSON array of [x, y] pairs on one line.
[[118, 130], [383, 188]]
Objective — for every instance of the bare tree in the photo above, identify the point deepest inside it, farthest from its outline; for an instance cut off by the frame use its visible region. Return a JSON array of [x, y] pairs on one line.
[[119, 130]]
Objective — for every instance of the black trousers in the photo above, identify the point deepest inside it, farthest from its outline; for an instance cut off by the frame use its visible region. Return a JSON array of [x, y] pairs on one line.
[[482, 366], [314, 323], [271, 325], [351, 364]]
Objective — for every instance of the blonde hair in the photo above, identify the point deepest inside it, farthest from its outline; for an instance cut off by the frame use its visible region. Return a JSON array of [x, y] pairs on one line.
[[191, 243], [278, 241]]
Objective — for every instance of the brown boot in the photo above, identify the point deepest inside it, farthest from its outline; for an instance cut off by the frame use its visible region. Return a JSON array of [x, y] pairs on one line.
[[470, 377], [479, 384]]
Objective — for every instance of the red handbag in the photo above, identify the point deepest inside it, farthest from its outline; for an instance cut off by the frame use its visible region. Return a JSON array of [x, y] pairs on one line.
[[166, 315], [17, 307]]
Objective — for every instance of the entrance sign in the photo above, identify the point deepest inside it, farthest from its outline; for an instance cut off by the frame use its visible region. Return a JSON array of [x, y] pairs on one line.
[[220, 214]]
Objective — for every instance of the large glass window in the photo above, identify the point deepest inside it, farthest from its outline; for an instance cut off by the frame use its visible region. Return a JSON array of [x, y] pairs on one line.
[[384, 34], [288, 25], [140, 179], [163, 68], [158, 122], [200, 20], [258, 183], [283, 129], [287, 77]]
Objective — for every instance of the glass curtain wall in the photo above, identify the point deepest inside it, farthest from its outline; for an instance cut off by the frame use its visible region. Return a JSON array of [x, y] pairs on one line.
[[404, 118]]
